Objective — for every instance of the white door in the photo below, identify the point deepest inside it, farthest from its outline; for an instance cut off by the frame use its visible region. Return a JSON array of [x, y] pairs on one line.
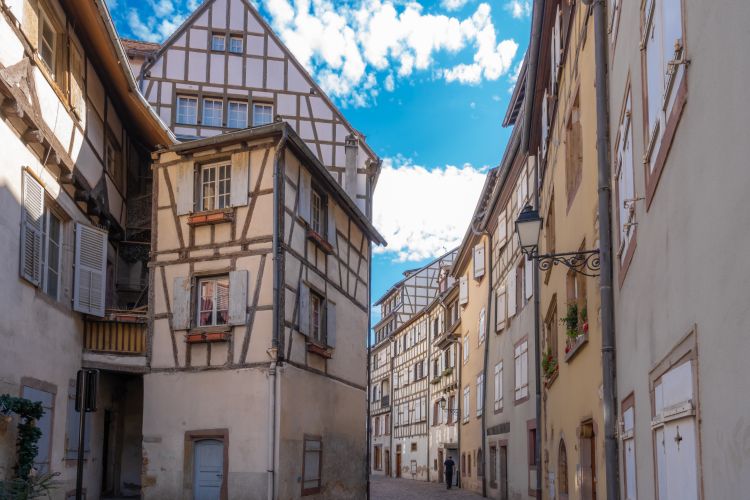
[[208, 475], [679, 443]]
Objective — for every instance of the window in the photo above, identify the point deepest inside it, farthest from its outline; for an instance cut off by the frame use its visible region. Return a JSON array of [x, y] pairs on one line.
[[549, 361], [262, 114], [468, 464], [215, 186], [51, 254], [480, 393], [113, 160], [213, 109], [237, 114], [187, 110], [562, 471], [414, 447], [663, 53], [318, 211], [44, 424], [624, 179], [520, 282], [463, 464], [76, 78], [628, 446], [218, 41], [317, 317], [499, 386], [387, 424], [574, 152], [467, 395], [466, 348], [480, 463], [521, 355], [313, 449], [213, 301], [376, 462], [451, 406], [675, 432], [376, 426], [531, 451], [48, 36], [576, 318], [235, 44]]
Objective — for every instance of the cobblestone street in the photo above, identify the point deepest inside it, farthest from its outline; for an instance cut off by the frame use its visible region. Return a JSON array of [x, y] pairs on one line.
[[386, 488]]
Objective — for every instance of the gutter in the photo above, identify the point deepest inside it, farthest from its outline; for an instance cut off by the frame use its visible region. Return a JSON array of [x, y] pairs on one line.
[[609, 381], [536, 35], [274, 353]]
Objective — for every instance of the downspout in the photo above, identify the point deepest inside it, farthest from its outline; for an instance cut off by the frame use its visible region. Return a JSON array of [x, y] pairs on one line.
[[612, 466], [536, 34], [278, 275], [459, 399], [487, 317], [429, 395], [392, 386], [369, 375]]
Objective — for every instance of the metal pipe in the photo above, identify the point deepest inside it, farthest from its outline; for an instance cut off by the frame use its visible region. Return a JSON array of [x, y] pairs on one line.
[[278, 270], [369, 376], [536, 34], [605, 251], [487, 316]]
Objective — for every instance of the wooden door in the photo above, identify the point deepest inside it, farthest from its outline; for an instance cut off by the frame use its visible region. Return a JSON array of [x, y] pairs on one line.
[[588, 461], [503, 473], [398, 464], [441, 475], [388, 463], [208, 475]]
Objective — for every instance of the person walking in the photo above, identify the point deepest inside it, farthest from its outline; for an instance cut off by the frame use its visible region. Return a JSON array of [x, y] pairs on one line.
[[449, 465]]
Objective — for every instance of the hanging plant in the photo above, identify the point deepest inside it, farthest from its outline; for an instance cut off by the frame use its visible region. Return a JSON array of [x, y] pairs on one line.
[[549, 363], [571, 321]]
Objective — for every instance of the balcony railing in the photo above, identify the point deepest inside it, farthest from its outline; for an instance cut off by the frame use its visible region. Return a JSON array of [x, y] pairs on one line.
[[122, 334], [385, 401]]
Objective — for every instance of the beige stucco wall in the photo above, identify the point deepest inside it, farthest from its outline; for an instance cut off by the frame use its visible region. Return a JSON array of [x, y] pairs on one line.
[[574, 396], [687, 271]]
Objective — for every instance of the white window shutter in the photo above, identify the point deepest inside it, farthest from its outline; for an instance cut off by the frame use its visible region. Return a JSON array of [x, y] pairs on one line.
[[528, 278], [331, 224], [238, 297], [239, 184], [304, 197], [502, 229], [90, 270], [463, 290], [479, 260], [184, 186], [500, 309], [32, 227], [511, 296], [304, 309], [482, 324], [181, 295], [331, 324], [545, 125]]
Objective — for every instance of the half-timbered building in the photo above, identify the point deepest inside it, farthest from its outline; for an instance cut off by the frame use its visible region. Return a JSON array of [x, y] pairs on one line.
[[75, 199], [381, 359], [225, 69], [260, 289]]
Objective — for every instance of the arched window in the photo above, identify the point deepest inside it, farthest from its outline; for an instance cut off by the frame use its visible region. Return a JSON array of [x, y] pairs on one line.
[[562, 471]]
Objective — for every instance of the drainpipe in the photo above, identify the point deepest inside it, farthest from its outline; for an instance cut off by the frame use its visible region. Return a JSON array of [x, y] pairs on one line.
[[428, 406], [536, 34], [459, 400], [369, 375], [611, 457], [278, 275], [487, 317]]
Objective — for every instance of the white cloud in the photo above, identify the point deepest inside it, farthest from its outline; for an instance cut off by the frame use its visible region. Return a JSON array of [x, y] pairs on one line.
[[519, 8], [472, 105], [347, 45], [424, 213], [453, 4], [156, 29]]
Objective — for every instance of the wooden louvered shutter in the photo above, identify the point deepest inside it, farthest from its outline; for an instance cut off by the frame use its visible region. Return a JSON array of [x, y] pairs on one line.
[[502, 229], [303, 208], [181, 295], [90, 270], [528, 278], [331, 324], [184, 185], [463, 290], [331, 224], [511, 295], [238, 297], [32, 227], [479, 260], [239, 186], [500, 309], [304, 309]]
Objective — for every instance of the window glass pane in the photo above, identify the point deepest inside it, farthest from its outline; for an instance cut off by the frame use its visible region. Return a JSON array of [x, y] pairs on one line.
[[208, 184], [222, 301], [53, 257], [262, 114], [47, 43], [217, 41], [187, 110], [237, 115], [224, 186], [212, 111], [206, 303], [312, 469], [235, 44]]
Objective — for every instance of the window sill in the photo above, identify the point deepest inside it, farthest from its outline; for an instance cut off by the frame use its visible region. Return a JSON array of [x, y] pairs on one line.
[[498, 408], [320, 241], [319, 349], [581, 340], [210, 217], [207, 336], [548, 379]]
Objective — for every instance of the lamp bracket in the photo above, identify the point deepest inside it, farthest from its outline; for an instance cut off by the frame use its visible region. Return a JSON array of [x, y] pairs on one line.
[[585, 262]]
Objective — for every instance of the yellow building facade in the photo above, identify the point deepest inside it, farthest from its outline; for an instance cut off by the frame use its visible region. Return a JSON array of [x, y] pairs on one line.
[[570, 325]]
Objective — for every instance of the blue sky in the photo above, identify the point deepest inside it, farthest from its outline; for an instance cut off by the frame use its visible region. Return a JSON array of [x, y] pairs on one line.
[[427, 82]]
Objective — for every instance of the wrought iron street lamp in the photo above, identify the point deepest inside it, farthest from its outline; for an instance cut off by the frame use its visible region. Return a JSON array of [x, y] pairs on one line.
[[528, 228], [444, 404]]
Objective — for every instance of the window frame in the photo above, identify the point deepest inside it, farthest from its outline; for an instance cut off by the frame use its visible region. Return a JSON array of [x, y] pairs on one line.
[[262, 104], [319, 300], [240, 103], [308, 438], [46, 17], [467, 404], [218, 35], [186, 98], [498, 387], [233, 38], [217, 196], [215, 298], [204, 121], [43, 285], [625, 245], [628, 435], [319, 213], [51, 389], [518, 357], [479, 397]]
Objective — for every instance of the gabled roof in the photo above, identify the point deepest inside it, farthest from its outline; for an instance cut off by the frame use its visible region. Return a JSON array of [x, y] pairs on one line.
[[302, 150], [318, 91], [139, 46], [396, 285]]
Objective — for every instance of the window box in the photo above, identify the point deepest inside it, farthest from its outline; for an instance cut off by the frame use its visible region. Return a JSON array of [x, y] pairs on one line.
[[320, 350], [548, 379], [447, 371], [572, 349], [201, 337], [211, 217], [435, 380], [320, 241]]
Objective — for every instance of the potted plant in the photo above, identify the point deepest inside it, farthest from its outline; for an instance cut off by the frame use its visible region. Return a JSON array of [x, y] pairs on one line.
[[549, 363], [571, 321], [584, 321]]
